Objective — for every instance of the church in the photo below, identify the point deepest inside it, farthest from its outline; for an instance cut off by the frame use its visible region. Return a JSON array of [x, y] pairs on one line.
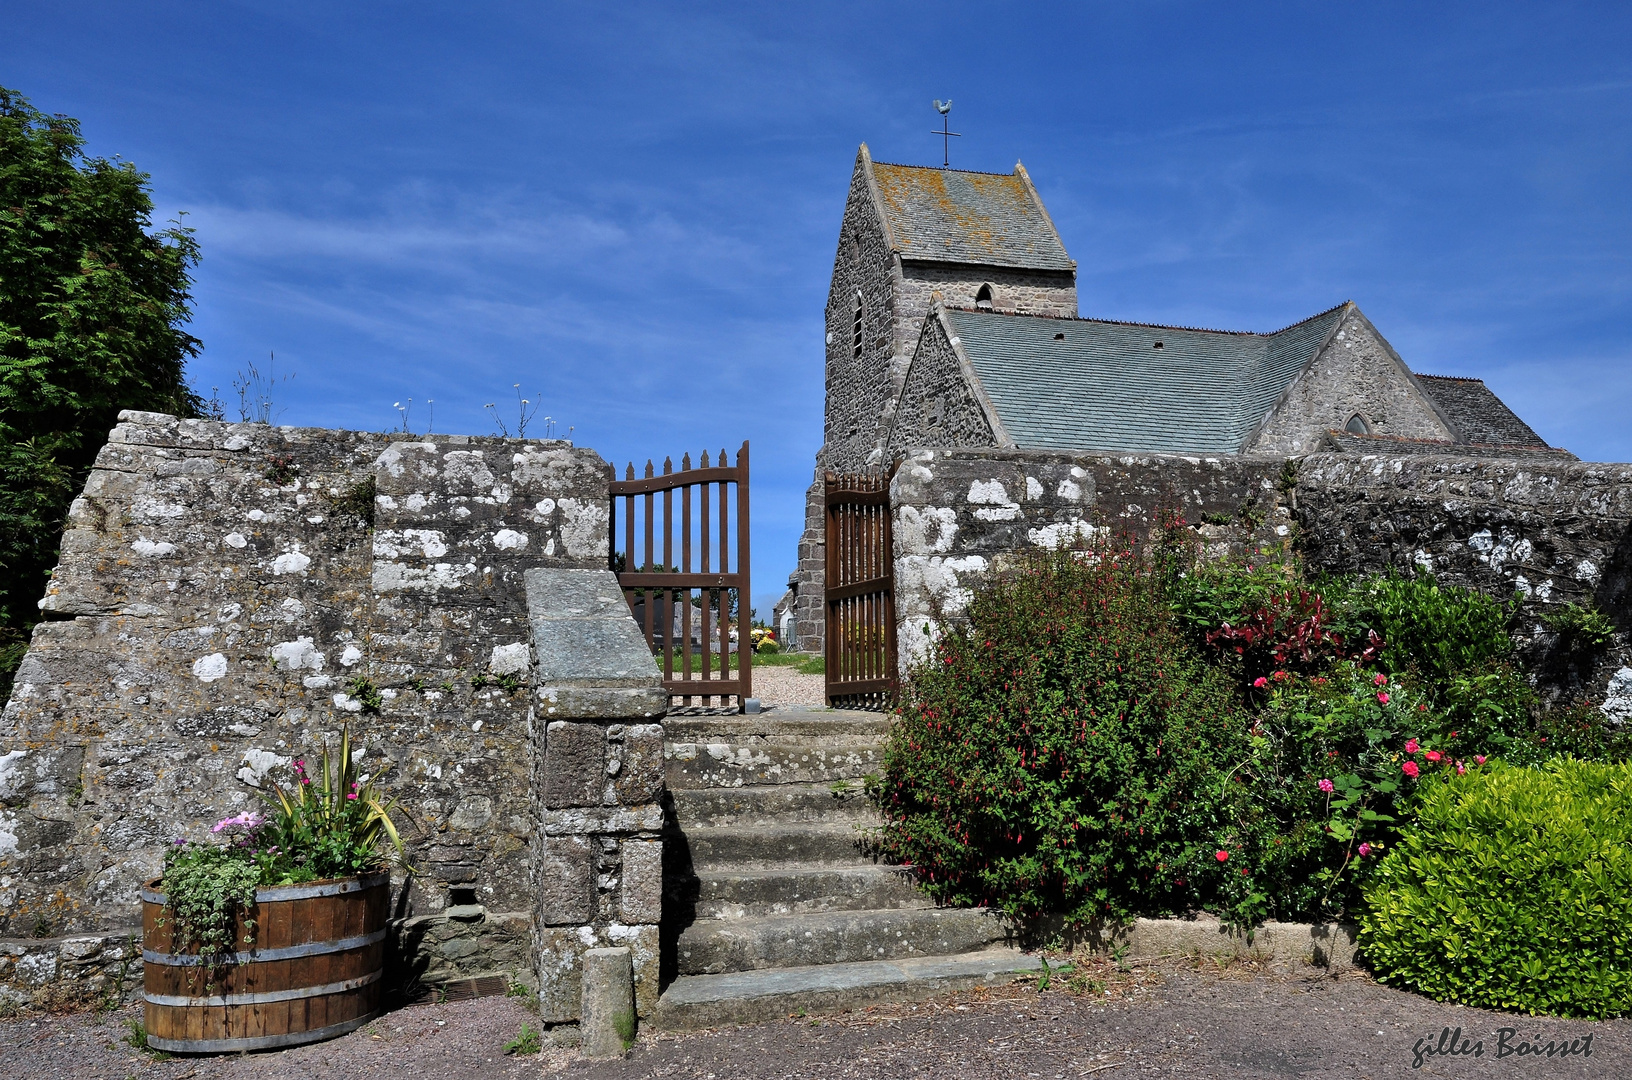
[[952, 321]]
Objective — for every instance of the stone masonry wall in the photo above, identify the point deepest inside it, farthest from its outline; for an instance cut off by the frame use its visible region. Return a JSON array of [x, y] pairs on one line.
[[857, 389], [1544, 532], [222, 607], [597, 836], [938, 405], [1357, 372], [1018, 292], [959, 515]]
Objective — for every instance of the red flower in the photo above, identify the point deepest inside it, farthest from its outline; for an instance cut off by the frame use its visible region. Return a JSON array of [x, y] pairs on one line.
[[1433, 755], [1222, 856], [1410, 769], [1383, 698]]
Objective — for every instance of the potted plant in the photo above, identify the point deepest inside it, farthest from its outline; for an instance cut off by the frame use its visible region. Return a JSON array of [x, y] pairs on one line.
[[277, 936]]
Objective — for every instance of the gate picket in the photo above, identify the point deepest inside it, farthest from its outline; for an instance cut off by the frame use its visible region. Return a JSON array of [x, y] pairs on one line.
[[660, 593]]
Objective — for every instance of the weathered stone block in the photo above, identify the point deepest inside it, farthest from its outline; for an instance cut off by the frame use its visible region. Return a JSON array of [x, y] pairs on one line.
[[603, 703], [565, 879], [638, 776], [560, 966], [607, 1011], [640, 896], [574, 764]]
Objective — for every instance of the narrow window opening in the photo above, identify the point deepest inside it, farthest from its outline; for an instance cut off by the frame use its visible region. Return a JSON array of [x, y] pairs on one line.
[[1059, 337], [462, 896], [855, 333], [983, 298], [1158, 345], [1357, 425]]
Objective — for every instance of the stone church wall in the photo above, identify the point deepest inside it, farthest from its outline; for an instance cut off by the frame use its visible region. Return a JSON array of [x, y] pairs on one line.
[[938, 406], [1542, 532], [1357, 372], [222, 606], [1017, 292], [858, 389]]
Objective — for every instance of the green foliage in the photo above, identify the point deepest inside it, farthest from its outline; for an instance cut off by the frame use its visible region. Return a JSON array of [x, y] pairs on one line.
[[356, 503], [92, 306], [136, 1039], [365, 692], [329, 825], [332, 825], [1440, 630], [530, 1041], [1581, 628], [1207, 596], [281, 469], [1066, 751], [207, 891], [1512, 891]]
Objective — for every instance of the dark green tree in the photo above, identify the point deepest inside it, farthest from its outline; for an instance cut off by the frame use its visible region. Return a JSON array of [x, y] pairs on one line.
[[93, 302]]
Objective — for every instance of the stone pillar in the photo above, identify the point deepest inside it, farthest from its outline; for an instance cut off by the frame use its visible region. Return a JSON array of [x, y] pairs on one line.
[[597, 738]]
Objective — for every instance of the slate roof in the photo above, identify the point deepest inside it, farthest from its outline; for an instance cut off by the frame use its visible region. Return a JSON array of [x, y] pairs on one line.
[[947, 215], [1478, 414], [1105, 386]]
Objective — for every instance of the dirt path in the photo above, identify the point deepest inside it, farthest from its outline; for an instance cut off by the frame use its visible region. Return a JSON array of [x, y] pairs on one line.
[[1178, 1022]]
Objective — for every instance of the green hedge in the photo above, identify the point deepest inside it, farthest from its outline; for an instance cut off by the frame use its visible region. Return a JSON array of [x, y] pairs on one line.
[[1512, 891]]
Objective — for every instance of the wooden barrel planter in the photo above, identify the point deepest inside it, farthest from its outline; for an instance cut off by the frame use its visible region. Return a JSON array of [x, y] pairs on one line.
[[312, 973]]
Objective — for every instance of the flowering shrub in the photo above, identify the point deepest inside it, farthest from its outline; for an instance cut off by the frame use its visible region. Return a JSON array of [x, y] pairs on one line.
[[331, 825], [1513, 890], [1066, 751]]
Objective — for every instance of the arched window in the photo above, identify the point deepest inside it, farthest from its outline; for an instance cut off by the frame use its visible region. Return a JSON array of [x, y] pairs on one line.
[[1357, 425], [855, 332], [983, 298]]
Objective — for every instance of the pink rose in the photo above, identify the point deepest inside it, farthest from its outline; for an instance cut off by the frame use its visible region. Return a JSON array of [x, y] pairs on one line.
[[1222, 856], [1434, 755], [1379, 680], [1365, 849], [1383, 698], [1410, 769], [1478, 759], [1411, 746], [1326, 786], [1259, 683], [1460, 768]]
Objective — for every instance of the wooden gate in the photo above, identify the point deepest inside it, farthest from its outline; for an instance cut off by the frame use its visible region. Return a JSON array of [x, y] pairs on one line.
[[688, 607], [860, 592]]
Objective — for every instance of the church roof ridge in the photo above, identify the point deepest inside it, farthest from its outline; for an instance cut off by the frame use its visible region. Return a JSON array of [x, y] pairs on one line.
[[1165, 326], [941, 168]]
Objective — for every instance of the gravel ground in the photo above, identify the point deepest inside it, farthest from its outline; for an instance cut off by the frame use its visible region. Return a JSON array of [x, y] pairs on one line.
[[1182, 1021], [785, 686]]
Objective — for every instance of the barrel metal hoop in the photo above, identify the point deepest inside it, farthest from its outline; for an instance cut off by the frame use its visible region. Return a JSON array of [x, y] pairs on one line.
[[265, 1042], [264, 998], [298, 892], [262, 956]]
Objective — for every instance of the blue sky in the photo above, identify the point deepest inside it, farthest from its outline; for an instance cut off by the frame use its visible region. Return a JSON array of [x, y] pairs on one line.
[[631, 209]]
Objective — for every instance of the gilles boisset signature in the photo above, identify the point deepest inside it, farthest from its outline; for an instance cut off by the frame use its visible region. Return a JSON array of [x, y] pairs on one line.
[[1508, 1044]]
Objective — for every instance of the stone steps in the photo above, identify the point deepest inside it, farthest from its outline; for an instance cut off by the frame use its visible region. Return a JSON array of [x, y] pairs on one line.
[[744, 997], [713, 946], [777, 804], [765, 847], [737, 894], [775, 903]]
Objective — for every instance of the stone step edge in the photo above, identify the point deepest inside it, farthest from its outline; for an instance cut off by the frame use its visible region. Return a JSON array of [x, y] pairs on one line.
[[770, 725], [742, 997], [1323, 945]]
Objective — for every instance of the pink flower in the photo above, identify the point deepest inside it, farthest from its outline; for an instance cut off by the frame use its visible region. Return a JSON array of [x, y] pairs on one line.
[[1410, 769], [1379, 680], [1281, 676], [1222, 856], [1411, 746], [351, 794], [1365, 849], [1460, 768], [1478, 759], [1434, 755], [1259, 683], [1325, 785], [1383, 698]]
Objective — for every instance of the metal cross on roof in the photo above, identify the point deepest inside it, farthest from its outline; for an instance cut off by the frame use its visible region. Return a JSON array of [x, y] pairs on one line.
[[944, 107]]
